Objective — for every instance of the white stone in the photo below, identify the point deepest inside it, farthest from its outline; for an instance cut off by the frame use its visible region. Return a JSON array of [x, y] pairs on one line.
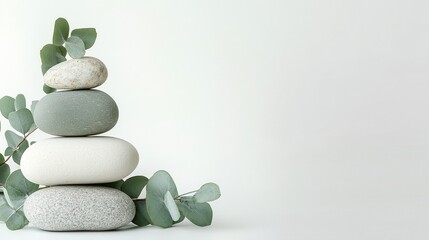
[[78, 160], [79, 208], [80, 73]]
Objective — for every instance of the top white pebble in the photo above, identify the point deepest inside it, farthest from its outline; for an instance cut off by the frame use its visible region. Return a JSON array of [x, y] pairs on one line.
[[80, 73]]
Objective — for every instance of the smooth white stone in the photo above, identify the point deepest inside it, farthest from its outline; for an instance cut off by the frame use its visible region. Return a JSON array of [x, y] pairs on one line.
[[79, 160], [80, 73]]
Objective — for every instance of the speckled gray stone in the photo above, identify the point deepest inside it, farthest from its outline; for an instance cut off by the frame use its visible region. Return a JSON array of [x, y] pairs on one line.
[[76, 113], [79, 208], [81, 73]]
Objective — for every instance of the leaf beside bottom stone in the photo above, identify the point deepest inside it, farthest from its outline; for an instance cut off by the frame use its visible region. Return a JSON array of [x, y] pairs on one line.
[[142, 216], [200, 214]]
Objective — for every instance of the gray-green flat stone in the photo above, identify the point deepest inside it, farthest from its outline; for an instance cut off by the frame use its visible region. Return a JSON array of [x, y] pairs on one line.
[[79, 208], [76, 113]]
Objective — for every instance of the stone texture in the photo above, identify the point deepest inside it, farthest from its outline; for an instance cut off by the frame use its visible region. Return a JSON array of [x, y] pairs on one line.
[[76, 113], [81, 73], [79, 160], [79, 208]]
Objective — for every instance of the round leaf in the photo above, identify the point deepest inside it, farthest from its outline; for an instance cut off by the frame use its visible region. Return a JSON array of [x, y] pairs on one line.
[[20, 102], [48, 89], [200, 214], [75, 47], [12, 139], [88, 36], [7, 105], [61, 31], [208, 192], [17, 221], [171, 206], [19, 188], [21, 120], [4, 173], [133, 186], [51, 55], [142, 217], [17, 154], [5, 210], [158, 185]]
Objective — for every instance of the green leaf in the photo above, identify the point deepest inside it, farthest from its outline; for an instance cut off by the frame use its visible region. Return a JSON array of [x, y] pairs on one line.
[[208, 192], [200, 214], [20, 102], [63, 51], [4, 173], [12, 139], [7, 105], [117, 184], [19, 152], [33, 106], [21, 120], [17, 221], [88, 36], [48, 89], [19, 188], [5, 210], [8, 151], [133, 186], [61, 31], [51, 55], [158, 185], [75, 47], [1, 158], [171, 206], [142, 217]]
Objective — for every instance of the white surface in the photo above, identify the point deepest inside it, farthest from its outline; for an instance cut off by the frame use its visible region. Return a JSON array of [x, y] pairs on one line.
[[310, 115], [79, 160]]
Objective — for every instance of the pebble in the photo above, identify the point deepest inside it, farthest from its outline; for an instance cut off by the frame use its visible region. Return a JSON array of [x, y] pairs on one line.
[[79, 208], [79, 160], [81, 73], [76, 113]]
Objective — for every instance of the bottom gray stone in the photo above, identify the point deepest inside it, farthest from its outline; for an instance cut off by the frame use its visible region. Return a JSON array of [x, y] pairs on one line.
[[79, 208]]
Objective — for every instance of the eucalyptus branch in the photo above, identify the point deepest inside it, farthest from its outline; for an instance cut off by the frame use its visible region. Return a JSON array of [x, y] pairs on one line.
[[19, 144]]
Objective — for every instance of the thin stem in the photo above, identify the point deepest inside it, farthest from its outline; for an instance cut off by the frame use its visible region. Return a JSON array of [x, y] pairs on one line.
[[185, 194], [19, 144]]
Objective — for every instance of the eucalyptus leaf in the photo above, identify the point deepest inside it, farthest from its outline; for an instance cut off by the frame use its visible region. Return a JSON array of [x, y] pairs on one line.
[[62, 50], [12, 139], [133, 186], [75, 47], [142, 217], [117, 184], [7, 105], [1, 158], [157, 187], [61, 32], [200, 214], [48, 89], [33, 106], [9, 151], [5, 210], [20, 102], [51, 55], [171, 206], [16, 156], [88, 36], [19, 188], [17, 221], [4, 173], [21, 120], [208, 192]]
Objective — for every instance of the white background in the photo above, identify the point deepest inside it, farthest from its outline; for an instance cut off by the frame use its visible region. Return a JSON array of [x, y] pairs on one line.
[[311, 115]]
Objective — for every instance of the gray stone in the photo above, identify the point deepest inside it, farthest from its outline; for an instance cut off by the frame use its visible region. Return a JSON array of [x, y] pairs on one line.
[[81, 73], [79, 208], [76, 113]]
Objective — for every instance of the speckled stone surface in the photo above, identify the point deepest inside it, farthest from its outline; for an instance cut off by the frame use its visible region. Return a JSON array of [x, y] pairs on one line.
[[81, 73], [79, 208], [76, 113], [79, 160]]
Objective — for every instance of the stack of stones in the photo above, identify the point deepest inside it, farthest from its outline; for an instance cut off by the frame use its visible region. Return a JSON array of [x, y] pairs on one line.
[[72, 164]]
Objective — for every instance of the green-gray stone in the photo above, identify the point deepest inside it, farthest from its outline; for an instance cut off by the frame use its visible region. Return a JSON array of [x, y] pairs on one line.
[[76, 113]]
